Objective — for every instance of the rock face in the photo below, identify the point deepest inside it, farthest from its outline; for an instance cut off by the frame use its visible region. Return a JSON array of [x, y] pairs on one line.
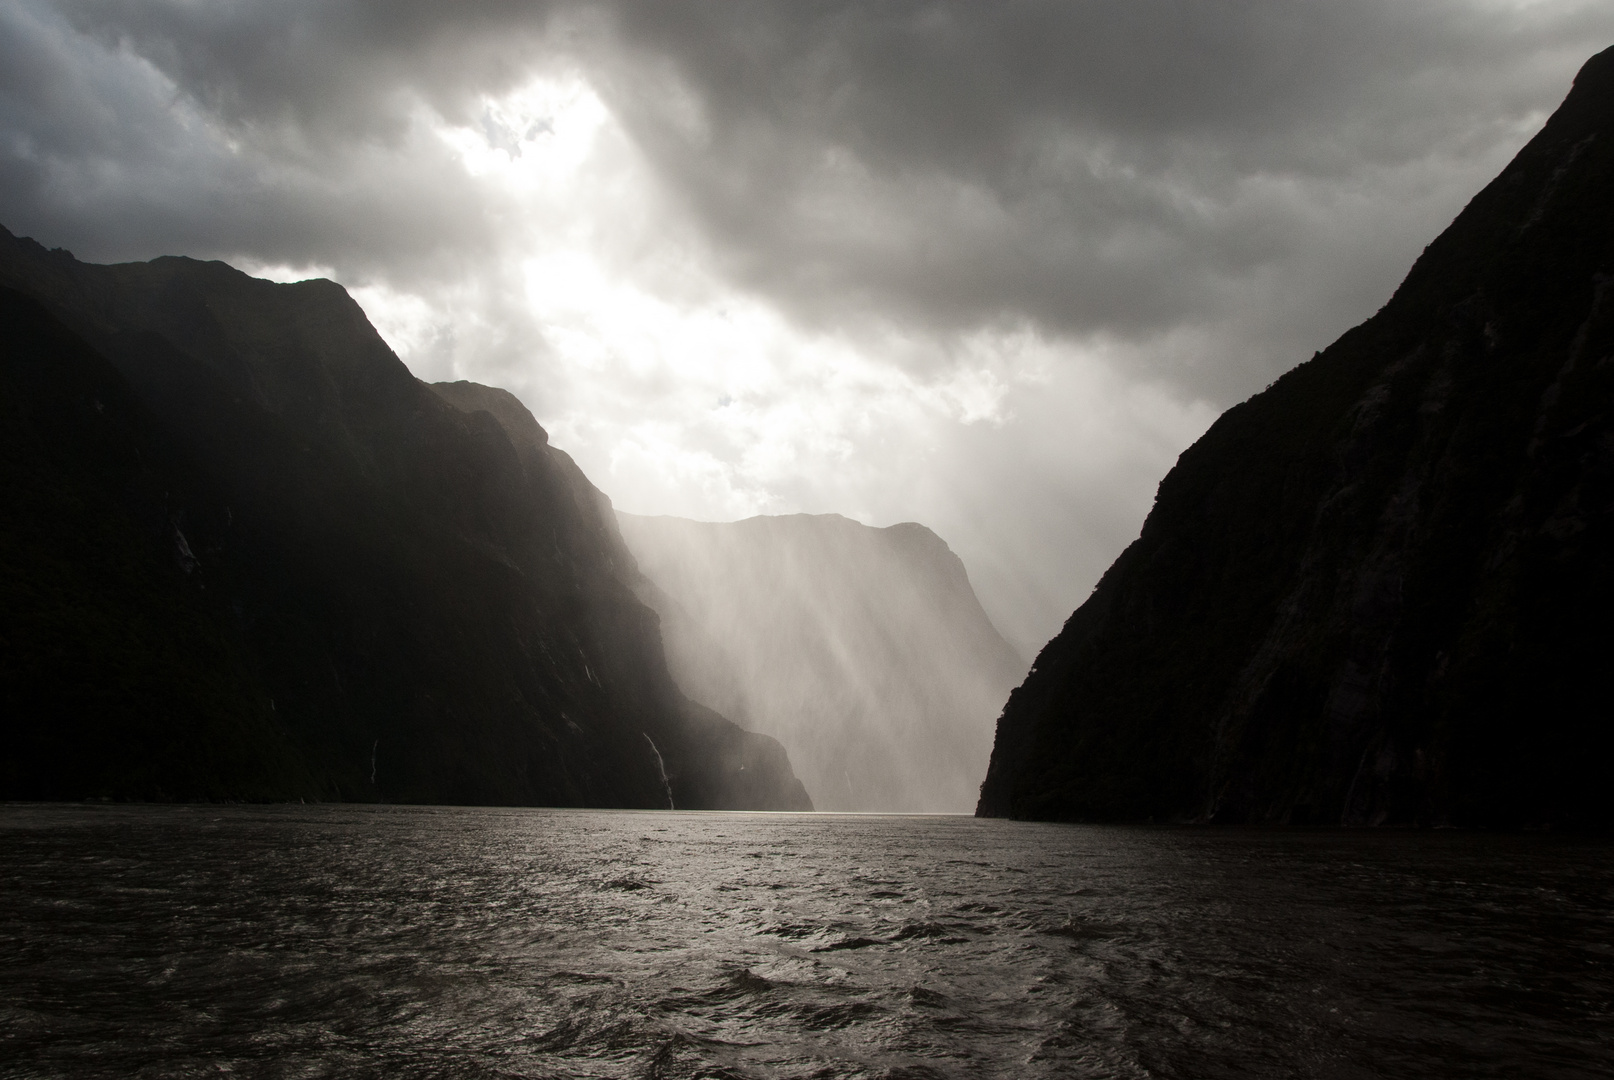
[[864, 651], [1380, 591], [247, 555]]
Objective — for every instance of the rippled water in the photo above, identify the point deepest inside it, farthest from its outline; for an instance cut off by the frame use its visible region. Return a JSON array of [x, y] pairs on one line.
[[388, 942]]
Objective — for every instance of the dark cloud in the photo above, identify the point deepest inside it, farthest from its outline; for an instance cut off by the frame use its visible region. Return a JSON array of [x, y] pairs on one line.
[[1087, 165], [331, 70], [121, 143], [1197, 194]]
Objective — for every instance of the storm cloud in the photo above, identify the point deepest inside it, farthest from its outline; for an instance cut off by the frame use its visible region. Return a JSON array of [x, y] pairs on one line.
[[985, 266]]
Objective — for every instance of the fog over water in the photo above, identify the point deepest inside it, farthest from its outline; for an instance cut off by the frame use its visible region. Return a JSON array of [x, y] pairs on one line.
[[864, 651], [989, 267]]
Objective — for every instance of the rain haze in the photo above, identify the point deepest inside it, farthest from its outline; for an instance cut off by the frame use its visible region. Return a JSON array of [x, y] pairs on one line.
[[862, 650], [988, 267]]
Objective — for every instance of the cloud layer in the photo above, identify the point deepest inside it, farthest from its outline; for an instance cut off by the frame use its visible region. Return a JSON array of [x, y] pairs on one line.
[[986, 266]]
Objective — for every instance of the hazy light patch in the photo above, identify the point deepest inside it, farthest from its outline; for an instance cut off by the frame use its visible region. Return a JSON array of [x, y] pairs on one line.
[[414, 327], [675, 390], [283, 273], [1039, 504], [539, 136], [654, 471], [1035, 457], [727, 408]]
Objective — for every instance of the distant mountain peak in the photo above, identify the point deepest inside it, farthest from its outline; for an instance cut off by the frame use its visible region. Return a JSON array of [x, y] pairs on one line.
[[863, 650]]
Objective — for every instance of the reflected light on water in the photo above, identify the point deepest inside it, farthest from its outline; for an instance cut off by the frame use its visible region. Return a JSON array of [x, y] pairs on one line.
[[384, 941]]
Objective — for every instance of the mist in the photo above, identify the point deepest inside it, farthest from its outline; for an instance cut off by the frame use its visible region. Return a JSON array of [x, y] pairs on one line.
[[477, 476], [986, 267], [864, 651]]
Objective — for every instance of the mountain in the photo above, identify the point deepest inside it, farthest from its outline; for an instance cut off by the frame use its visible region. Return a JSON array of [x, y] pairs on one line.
[[864, 651], [247, 555], [1379, 592]]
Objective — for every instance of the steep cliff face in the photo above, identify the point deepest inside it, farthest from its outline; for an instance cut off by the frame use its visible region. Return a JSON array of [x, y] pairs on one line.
[[251, 556], [1380, 591], [717, 764], [864, 651]]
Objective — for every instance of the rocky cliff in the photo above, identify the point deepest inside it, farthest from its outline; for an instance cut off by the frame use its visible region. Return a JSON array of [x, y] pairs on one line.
[[1380, 591], [246, 554], [864, 651]]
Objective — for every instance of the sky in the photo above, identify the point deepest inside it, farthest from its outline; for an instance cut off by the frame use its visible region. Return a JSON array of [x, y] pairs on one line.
[[989, 266]]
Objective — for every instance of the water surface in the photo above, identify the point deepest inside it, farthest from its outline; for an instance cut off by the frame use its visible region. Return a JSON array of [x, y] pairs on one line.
[[445, 942]]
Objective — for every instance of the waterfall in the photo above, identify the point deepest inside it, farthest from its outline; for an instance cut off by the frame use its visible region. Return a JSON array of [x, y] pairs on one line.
[[661, 766]]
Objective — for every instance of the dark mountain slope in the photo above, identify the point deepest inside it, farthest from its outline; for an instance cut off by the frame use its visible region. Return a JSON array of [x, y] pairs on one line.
[[93, 560], [863, 650], [253, 557], [1380, 591], [756, 769]]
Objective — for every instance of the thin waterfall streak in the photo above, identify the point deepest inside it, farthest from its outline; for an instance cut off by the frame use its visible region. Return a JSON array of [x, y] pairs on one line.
[[661, 766], [372, 760]]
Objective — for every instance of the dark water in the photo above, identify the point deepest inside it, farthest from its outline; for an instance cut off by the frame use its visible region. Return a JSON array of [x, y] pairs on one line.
[[396, 942]]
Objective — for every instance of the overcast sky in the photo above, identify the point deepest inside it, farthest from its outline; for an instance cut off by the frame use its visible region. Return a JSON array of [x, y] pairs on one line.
[[989, 266]]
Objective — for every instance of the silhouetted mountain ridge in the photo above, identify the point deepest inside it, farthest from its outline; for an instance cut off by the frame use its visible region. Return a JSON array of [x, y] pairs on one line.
[[251, 556], [1380, 591]]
